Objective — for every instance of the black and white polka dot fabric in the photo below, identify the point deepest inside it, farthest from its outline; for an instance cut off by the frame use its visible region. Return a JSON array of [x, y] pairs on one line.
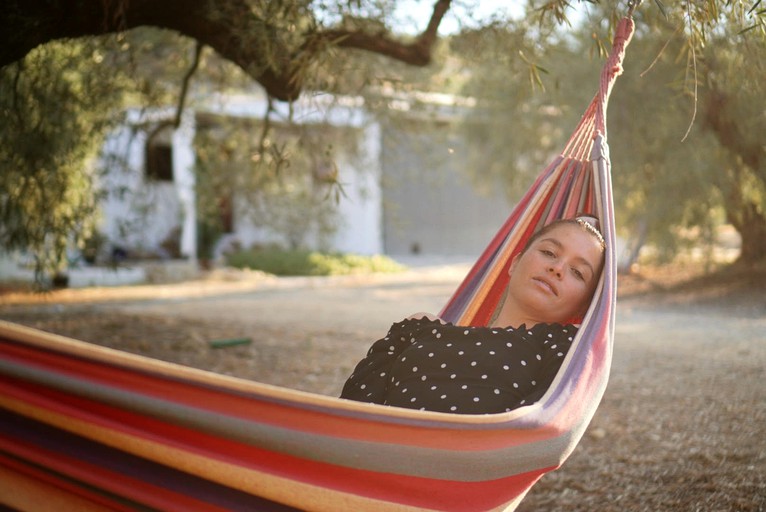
[[424, 364]]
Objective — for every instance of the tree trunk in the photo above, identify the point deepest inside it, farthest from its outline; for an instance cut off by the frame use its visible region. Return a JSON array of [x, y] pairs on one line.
[[743, 211], [750, 222]]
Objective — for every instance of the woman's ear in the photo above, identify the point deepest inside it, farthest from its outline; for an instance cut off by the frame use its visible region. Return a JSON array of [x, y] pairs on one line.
[[514, 262]]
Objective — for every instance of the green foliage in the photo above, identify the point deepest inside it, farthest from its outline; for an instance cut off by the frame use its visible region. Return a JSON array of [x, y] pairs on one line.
[[281, 177], [57, 105], [661, 181], [674, 174], [311, 263], [55, 108], [528, 100], [687, 143], [530, 81]]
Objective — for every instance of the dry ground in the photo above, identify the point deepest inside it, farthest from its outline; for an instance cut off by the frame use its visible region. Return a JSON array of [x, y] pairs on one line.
[[681, 427]]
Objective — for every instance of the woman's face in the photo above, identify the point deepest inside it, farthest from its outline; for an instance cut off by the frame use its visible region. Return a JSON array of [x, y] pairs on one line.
[[554, 279]]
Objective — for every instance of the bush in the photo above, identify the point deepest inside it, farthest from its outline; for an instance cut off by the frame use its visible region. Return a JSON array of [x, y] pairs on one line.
[[310, 263]]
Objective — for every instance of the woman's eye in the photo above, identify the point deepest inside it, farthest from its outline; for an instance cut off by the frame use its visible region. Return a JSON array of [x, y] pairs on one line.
[[579, 275], [547, 252]]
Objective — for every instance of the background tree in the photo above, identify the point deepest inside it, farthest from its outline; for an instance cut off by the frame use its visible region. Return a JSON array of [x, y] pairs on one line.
[[690, 150], [676, 177], [58, 105], [287, 47], [281, 44], [284, 180], [49, 105], [731, 100], [275, 42]]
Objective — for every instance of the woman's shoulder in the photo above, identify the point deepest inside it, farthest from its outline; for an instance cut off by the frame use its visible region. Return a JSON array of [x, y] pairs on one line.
[[560, 333], [536, 329], [554, 327], [417, 322]]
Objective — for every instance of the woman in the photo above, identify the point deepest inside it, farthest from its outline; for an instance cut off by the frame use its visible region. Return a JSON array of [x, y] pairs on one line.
[[425, 363]]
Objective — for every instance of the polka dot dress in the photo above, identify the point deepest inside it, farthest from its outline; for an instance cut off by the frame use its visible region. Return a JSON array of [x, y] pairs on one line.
[[424, 364]]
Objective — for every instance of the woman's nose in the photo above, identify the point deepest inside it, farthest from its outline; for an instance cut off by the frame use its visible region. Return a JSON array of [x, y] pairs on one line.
[[555, 270]]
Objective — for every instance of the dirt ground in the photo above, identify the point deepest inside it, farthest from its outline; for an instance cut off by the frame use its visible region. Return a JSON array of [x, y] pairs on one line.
[[682, 426]]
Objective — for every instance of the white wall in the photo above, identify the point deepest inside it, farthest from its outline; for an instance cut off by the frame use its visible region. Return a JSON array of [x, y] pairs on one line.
[[152, 210], [183, 176], [137, 213], [361, 207]]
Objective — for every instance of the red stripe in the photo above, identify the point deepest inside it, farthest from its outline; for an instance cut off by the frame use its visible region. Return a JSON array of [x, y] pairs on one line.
[[263, 412], [389, 487]]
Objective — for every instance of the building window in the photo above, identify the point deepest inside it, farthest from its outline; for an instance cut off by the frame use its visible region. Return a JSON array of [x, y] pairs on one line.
[[226, 212], [159, 162]]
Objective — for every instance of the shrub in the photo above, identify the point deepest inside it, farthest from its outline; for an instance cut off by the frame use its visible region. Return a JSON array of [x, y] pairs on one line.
[[310, 263]]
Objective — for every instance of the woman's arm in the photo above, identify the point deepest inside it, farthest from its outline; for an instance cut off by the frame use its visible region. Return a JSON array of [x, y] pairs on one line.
[[369, 382]]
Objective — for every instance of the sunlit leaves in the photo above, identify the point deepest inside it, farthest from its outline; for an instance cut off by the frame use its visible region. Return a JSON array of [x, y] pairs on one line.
[[57, 102], [54, 110], [280, 177], [668, 188]]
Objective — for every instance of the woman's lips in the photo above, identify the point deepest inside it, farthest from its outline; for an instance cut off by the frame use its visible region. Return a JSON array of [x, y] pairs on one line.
[[547, 285]]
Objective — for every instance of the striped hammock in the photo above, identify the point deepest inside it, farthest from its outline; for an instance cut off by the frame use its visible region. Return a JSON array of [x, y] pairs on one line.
[[90, 428]]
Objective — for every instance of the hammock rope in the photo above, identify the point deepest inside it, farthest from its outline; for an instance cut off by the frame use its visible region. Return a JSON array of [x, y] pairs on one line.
[[90, 428]]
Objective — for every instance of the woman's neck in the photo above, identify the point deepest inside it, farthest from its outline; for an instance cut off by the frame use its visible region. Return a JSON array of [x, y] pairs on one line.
[[511, 321], [507, 315]]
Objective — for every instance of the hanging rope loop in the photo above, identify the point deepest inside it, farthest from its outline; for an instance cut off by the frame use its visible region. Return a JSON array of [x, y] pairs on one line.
[[632, 6], [612, 69]]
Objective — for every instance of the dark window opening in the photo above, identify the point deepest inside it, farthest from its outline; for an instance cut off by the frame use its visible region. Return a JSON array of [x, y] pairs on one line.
[[226, 212], [159, 162]]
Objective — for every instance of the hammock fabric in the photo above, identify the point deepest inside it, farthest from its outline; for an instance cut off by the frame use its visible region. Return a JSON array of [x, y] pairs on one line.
[[90, 428]]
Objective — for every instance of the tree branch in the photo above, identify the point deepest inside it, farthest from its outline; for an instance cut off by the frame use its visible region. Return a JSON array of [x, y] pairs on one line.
[[231, 27], [728, 133], [417, 53], [185, 84]]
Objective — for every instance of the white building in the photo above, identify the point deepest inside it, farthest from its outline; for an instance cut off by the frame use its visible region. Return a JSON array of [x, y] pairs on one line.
[[394, 201], [405, 191]]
